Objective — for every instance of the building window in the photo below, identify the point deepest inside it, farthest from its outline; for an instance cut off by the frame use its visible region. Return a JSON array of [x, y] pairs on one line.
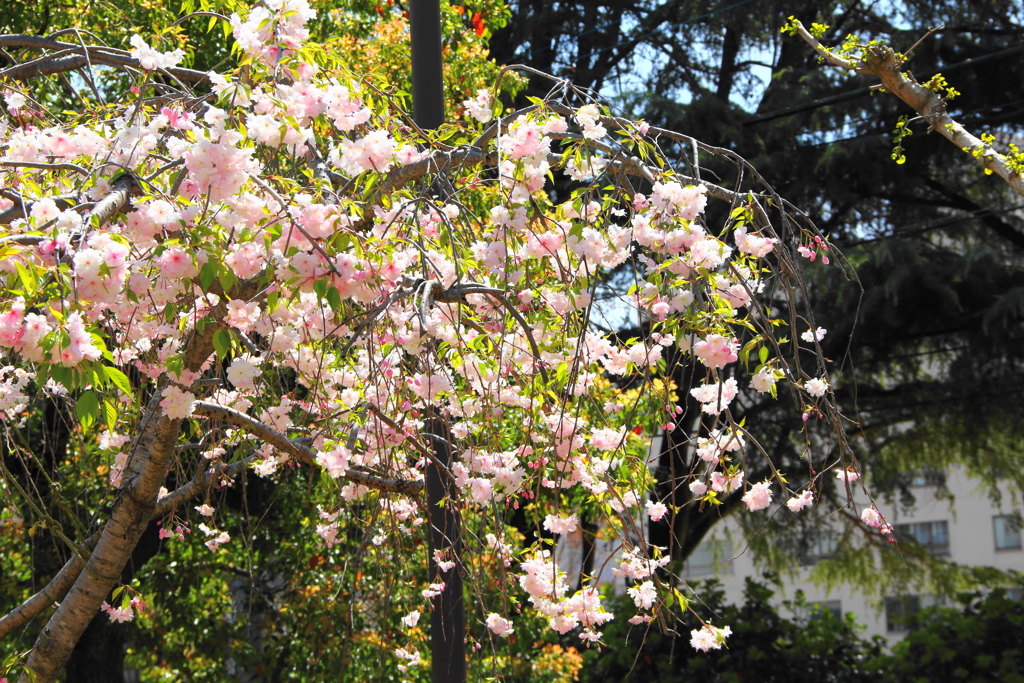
[[897, 609], [934, 536], [816, 547], [1007, 532], [710, 558], [927, 477], [818, 609]]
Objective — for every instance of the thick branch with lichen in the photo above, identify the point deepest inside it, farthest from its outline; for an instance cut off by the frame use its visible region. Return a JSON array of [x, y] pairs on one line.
[[885, 63]]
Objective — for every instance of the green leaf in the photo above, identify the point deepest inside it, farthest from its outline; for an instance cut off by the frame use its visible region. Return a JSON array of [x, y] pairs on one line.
[[87, 408], [28, 278], [334, 299], [101, 344], [562, 373], [684, 602], [208, 274], [119, 379], [227, 278], [222, 343], [110, 415], [762, 354], [175, 364]]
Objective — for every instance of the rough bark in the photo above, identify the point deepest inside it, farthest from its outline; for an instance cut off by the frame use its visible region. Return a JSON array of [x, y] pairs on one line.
[[63, 580], [133, 508]]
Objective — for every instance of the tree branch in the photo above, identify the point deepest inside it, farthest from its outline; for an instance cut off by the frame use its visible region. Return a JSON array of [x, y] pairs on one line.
[[68, 574], [79, 58], [134, 506], [883, 62], [302, 453]]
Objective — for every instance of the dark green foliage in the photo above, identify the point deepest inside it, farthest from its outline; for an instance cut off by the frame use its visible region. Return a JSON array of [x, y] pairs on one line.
[[814, 646], [981, 641]]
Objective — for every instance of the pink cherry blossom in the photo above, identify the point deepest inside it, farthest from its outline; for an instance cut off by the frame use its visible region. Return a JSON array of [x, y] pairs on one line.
[[814, 335], [763, 381], [479, 107], [499, 625], [177, 403], [561, 525], [871, 516], [758, 497], [709, 637], [118, 614], [151, 59], [797, 503], [656, 510], [847, 474], [643, 595], [715, 351]]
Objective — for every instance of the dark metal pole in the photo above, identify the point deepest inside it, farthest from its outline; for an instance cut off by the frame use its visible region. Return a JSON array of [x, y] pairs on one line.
[[448, 615], [427, 72]]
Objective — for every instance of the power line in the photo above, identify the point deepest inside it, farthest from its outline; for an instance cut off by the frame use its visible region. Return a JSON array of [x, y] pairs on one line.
[[922, 228], [884, 117]]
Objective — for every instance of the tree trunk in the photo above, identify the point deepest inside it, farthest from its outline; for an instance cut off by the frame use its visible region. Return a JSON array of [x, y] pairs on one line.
[[144, 475]]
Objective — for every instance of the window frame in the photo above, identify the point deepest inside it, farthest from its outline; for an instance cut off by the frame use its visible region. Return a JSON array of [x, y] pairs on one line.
[[909, 605], [908, 530], [720, 552], [1014, 521]]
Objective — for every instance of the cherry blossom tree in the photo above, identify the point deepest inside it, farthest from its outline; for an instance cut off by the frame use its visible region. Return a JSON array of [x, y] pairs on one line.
[[272, 267]]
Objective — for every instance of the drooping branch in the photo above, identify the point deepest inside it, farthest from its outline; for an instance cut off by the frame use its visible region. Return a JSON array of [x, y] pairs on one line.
[[299, 451], [159, 436], [436, 162], [458, 291], [886, 64]]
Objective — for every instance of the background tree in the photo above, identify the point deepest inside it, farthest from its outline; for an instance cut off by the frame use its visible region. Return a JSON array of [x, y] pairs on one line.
[[936, 244], [795, 642]]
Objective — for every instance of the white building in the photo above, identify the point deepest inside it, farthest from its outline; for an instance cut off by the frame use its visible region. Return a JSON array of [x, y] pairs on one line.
[[962, 525]]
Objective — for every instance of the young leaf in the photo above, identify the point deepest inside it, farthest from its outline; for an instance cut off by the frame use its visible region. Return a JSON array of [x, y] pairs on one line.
[[119, 379], [87, 408]]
